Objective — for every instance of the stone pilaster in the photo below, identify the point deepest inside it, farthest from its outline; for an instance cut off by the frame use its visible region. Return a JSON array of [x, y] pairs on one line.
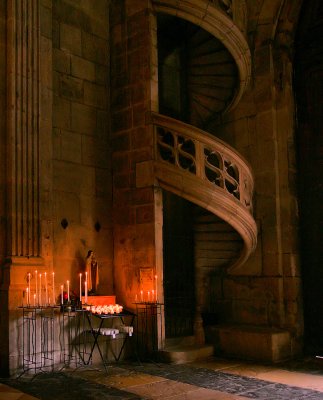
[[23, 127], [28, 155]]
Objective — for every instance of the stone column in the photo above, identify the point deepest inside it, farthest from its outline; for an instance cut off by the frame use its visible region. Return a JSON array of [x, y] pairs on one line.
[[137, 202]]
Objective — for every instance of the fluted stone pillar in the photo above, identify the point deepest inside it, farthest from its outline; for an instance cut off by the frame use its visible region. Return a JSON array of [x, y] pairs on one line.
[[23, 128], [29, 118]]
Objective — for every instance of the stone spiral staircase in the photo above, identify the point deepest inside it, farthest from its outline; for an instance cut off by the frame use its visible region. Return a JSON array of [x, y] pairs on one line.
[[189, 161]]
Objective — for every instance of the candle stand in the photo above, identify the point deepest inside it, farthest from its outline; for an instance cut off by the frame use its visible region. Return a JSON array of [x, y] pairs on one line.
[[149, 328], [73, 336], [75, 333], [38, 338]]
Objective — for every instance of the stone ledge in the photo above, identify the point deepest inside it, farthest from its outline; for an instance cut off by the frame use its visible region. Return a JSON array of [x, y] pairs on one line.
[[250, 342]]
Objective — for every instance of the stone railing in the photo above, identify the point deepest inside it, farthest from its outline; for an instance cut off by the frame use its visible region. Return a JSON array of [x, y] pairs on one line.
[[224, 19], [193, 151]]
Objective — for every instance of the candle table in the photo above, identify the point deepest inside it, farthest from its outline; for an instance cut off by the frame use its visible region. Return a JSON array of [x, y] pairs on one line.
[[117, 331]]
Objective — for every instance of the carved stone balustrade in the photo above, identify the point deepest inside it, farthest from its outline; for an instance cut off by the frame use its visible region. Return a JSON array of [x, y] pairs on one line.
[[205, 170]]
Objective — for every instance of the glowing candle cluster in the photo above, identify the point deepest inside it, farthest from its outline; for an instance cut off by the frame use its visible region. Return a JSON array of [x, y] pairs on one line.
[[150, 296], [39, 290], [42, 291], [105, 309]]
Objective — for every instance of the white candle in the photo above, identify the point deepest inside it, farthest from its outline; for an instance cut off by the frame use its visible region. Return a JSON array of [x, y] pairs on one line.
[[148, 296], [62, 287], [80, 287], [156, 288], [141, 295], [153, 295], [27, 294], [53, 288], [136, 298], [36, 288], [85, 284], [68, 291], [29, 285], [46, 289], [40, 291], [35, 299]]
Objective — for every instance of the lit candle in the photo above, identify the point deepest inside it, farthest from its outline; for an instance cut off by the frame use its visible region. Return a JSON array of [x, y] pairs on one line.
[[27, 294], [81, 288], [36, 289], [141, 295], [53, 288], [156, 288], [46, 289], [40, 291], [62, 287], [34, 299], [85, 284], [136, 298], [153, 295], [29, 285], [148, 296], [68, 291]]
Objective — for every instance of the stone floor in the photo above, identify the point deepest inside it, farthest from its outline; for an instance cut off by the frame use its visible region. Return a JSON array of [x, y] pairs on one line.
[[206, 380]]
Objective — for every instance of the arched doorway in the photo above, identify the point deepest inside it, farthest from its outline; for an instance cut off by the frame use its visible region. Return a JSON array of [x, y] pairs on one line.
[[309, 99]]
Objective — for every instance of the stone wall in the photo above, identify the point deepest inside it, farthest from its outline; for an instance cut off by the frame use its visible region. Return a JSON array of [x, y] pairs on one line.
[[59, 197], [132, 145], [262, 129], [82, 192]]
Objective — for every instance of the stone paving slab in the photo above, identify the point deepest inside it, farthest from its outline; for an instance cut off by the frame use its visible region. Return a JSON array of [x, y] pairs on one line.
[[155, 381], [61, 386], [247, 387]]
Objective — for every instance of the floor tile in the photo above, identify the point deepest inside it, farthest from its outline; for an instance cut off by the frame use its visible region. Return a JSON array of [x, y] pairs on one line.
[[10, 396], [6, 388], [161, 390]]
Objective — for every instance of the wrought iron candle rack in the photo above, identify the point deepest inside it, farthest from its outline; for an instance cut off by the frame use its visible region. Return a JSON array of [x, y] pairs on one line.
[[149, 328], [38, 338]]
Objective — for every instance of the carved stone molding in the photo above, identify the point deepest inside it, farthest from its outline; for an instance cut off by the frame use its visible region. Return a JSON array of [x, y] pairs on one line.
[[23, 43]]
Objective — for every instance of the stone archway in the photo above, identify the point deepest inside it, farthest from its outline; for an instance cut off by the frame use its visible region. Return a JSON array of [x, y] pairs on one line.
[[309, 96]]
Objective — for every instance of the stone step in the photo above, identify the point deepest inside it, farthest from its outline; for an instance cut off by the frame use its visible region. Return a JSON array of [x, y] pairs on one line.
[[182, 354], [179, 341], [251, 342]]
